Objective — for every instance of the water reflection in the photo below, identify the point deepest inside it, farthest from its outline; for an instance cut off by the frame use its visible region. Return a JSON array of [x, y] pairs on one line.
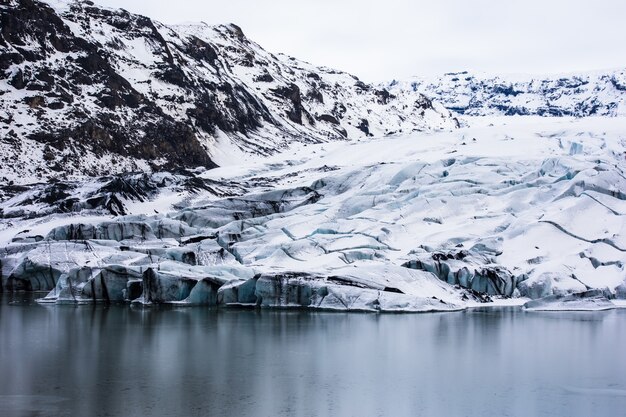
[[97, 361]]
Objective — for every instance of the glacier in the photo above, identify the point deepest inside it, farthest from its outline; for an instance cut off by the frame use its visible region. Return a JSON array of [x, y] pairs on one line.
[[525, 211], [331, 193]]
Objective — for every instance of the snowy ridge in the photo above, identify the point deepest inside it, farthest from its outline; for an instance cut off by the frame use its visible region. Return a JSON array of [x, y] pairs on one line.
[[86, 90], [600, 93]]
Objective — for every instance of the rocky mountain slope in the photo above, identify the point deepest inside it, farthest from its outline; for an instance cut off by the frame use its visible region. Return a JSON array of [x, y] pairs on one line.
[[579, 95], [90, 90]]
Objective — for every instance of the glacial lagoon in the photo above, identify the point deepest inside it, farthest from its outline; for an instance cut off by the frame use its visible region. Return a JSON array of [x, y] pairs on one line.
[[163, 361]]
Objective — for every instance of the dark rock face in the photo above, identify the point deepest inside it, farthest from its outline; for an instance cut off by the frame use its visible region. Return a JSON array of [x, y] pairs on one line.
[[292, 93], [383, 96], [364, 126], [328, 118], [147, 133]]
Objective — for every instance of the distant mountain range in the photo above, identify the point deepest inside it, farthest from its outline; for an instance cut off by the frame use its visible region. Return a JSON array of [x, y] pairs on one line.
[[601, 93]]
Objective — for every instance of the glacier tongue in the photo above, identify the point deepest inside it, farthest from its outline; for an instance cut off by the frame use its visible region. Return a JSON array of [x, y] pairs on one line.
[[419, 222]]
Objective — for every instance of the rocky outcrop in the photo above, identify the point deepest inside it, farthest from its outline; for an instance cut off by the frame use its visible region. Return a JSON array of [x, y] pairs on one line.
[[43, 55]]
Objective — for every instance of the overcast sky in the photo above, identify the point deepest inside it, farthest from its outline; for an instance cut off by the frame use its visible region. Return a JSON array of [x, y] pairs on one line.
[[386, 39]]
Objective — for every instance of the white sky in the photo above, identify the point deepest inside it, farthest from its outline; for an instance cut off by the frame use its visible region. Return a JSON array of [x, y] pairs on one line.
[[386, 39]]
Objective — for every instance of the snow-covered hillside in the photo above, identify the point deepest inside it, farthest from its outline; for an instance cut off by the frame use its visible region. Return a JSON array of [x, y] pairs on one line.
[[579, 95], [528, 208], [86, 90], [325, 192]]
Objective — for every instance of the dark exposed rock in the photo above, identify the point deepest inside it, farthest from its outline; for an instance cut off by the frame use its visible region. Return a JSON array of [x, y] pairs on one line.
[[423, 102], [56, 105], [35, 101], [364, 126], [328, 118], [341, 131], [264, 78], [383, 96], [201, 50], [470, 294], [315, 94], [41, 22], [163, 137], [362, 86], [292, 93], [17, 80], [237, 31], [339, 110]]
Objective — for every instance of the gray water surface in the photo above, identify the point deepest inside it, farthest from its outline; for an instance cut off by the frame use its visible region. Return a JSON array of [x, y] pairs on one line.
[[121, 361]]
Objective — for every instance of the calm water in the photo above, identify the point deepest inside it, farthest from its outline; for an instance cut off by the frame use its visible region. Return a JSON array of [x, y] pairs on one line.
[[120, 361]]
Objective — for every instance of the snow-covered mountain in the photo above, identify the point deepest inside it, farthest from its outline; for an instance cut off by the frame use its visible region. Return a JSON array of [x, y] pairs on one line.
[[414, 214], [91, 90], [585, 94]]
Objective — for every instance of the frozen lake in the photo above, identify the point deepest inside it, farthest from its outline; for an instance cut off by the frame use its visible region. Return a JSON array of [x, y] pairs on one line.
[[114, 361]]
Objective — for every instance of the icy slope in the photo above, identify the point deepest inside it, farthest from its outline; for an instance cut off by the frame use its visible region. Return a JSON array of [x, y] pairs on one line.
[[522, 208], [584, 94], [86, 90]]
